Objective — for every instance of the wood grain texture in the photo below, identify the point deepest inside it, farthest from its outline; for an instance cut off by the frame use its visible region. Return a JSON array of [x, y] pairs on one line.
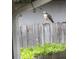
[[42, 33]]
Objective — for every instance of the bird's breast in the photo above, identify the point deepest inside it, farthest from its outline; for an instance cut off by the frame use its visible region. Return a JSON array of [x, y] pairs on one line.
[[45, 16]]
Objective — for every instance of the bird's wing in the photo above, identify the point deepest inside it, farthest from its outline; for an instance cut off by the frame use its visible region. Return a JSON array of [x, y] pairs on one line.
[[50, 18]]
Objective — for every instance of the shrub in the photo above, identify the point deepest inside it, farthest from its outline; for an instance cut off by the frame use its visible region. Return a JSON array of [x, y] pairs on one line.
[[48, 48]]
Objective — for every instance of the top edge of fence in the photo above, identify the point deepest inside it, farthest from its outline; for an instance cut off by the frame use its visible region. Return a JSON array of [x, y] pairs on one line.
[[35, 24], [45, 23]]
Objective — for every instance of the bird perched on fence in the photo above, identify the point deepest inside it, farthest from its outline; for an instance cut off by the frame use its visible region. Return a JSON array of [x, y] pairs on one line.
[[47, 16]]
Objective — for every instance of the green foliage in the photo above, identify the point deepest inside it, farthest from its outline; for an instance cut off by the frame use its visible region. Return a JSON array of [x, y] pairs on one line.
[[26, 53], [50, 48]]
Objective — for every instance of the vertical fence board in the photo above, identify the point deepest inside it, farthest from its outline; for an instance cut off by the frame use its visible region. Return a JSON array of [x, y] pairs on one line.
[[63, 33], [55, 38], [42, 34], [47, 36]]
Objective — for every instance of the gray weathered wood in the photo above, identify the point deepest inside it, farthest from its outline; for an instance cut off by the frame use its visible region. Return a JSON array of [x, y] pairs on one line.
[[30, 35]]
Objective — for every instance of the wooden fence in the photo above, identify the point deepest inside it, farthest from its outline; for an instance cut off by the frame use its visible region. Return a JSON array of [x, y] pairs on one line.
[[30, 35]]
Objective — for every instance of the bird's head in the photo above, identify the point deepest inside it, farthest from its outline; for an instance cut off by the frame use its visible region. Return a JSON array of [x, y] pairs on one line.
[[45, 15]]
